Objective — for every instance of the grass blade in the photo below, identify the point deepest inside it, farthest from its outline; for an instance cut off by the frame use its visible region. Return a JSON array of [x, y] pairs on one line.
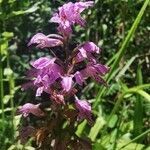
[[144, 94], [125, 68], [138, 112], [2, 89], [136, 138]]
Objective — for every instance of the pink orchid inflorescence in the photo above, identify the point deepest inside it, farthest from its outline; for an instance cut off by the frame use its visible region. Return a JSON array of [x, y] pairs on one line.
[[60, 78]]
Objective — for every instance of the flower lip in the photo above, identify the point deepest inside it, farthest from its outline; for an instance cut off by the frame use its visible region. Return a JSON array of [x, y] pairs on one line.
[[90, 47], [42, 62], [67, 83], [79, 77], [28, 108], [43, 41], [84, 109]]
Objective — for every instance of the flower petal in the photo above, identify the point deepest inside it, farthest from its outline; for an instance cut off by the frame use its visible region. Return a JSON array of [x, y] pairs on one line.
[[28, 108], [43, 41], [84, 109], [91, 47], [67, 83], [79, 78], [102, 69], [81, 6], [42, 62], [39, 91]]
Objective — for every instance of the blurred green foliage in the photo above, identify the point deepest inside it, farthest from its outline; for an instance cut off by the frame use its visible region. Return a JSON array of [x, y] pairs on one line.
[[123, 110]]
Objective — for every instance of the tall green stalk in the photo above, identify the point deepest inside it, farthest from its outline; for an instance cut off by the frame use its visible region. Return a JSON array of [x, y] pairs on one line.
[[2, 90], [138, 115], [11, 92]]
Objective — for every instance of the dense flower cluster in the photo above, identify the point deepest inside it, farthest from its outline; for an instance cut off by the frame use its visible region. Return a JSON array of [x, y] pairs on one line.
[[68, 15], [60, 79]]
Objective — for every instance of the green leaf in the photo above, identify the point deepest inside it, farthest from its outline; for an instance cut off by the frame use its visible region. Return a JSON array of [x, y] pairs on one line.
[[6, 98], [129, 143], [113, 121], [81, 127], [5, 110], [3, 47], [11, 1], [100, 122], [147, 148], [8, 71], [8, 34], [132, 146], [30, 10], [98, 146]]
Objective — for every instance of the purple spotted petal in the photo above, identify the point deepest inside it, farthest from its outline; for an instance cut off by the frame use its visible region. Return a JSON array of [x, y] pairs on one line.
[[28, 108], [43, 41], [84, 109], [94, 71], [55, 18], [39, 91], [67, 83], [64, 25], [42, 62], [83, 52], [90, 71], [65, 11], [79, 57], [81, 6], [91, 47], [47, 73], [102, 69], [79, 77], [86, 51], [83, 55], [65, 30], [78, 8]]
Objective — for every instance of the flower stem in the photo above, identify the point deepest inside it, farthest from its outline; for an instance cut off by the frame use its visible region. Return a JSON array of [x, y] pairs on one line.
[[2, 90]]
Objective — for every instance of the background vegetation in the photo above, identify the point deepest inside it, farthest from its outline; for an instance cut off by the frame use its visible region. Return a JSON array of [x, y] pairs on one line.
[[121, 29]]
